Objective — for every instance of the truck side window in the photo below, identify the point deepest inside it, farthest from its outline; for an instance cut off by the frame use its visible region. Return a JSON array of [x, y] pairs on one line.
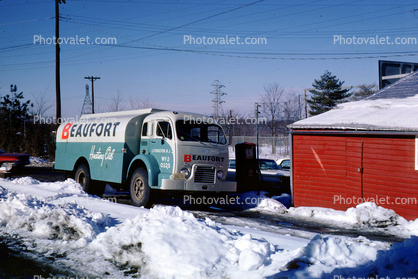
[[164, 129], [145, 129]]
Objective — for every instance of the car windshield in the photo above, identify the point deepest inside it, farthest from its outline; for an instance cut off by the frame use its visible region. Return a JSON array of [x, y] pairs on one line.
[[267, 165], [200, 131], [285, 164], [1, 151]]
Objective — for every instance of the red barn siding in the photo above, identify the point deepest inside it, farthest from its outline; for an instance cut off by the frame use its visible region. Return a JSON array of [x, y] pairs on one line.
[[326, 167]]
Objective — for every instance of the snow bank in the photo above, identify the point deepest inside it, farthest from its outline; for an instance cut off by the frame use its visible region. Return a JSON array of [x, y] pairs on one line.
[[323, 254], [114, 240], [171, 243], [260, 202], [366, 216], [39, 162], [42, 219], [400, 261]]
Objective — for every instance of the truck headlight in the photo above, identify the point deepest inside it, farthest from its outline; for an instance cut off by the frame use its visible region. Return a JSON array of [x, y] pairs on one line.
[[186, 172], [220, 174]]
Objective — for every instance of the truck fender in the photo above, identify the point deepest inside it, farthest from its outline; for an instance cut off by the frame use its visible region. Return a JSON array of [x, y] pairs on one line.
[[149, 163]]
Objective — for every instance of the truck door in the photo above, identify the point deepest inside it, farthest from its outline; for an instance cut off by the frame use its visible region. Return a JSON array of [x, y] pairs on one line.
[[162, 147]]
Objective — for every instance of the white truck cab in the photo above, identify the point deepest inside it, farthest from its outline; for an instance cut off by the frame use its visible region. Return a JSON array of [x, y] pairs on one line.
[[145, 149]]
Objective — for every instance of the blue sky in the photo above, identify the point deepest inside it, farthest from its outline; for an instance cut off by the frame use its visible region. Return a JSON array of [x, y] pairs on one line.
[[150, 60]]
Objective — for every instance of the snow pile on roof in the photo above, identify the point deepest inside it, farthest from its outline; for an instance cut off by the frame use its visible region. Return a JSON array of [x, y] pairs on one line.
[[380, 114]]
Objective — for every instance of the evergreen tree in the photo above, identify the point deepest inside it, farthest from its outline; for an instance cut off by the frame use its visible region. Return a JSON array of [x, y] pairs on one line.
[[14, 115], [19, 130], [327, 94], [364, 91]]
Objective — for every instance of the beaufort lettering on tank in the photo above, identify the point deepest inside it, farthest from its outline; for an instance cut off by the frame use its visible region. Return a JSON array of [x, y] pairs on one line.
[[85, 130]]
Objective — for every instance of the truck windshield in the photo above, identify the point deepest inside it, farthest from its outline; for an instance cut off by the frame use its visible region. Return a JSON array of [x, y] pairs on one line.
[[202, 132]]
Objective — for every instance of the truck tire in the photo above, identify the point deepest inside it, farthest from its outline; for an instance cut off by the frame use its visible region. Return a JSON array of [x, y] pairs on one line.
[[82, 176], [92, 187], [139, 188]]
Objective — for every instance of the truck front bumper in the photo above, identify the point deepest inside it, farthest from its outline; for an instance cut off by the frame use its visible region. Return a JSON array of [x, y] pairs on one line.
[[190, 185]]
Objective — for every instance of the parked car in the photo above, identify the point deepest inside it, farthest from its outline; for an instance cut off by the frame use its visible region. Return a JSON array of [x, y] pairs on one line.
[[13, 161], [273, 178], [284, 163]]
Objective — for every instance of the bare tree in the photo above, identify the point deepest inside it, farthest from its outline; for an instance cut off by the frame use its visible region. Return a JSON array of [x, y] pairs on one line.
[[115, 103], [230, 121], [291, 107], [271, 104], [41, 104], [364, 91], [141, 104]]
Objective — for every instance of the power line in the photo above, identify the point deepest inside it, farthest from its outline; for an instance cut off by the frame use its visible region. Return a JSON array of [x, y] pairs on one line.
[[202, 19], [25, 21], [159, 47]]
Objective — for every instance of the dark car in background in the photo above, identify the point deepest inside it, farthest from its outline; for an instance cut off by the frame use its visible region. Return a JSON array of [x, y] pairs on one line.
[[273, 178], [283, 164], [13, 161]]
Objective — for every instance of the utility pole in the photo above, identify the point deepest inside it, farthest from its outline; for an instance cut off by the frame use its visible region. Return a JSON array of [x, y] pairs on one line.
[[13, 90], [257, 112], [92, 79], [57, 61], [230, 127]]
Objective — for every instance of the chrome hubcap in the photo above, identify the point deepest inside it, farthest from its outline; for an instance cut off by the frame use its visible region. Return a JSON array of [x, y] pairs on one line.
[[139, 188]]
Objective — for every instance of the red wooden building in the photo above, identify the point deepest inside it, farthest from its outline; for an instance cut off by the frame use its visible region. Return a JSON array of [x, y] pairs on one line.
[[361, 151]]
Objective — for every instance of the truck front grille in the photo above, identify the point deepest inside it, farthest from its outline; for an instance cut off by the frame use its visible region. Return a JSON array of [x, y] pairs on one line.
[[205, 175]]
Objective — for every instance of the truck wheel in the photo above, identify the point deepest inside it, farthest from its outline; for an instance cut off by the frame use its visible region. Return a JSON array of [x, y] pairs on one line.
[[82, 176], [139, 188], [92, 187]]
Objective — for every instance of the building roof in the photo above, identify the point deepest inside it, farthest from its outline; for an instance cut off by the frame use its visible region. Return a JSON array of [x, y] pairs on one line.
[[394, 108], [403, 88]]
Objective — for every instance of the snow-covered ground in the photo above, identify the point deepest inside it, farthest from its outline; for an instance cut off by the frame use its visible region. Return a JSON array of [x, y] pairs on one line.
[[95, 237]]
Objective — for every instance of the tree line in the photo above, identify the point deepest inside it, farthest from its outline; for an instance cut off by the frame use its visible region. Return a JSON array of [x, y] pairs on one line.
[[280, 107], [277, 109], [19, 132]]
